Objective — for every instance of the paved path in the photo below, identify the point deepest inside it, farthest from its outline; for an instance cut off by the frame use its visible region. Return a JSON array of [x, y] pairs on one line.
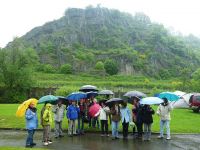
[[96, 142]]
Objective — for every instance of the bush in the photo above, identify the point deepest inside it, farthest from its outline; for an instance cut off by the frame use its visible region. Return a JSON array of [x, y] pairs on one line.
[[111, 67], [49, 69], [66, 69]]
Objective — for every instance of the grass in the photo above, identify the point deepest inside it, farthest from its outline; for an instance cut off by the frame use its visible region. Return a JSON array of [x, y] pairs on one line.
[[115, 83], [183, 120]]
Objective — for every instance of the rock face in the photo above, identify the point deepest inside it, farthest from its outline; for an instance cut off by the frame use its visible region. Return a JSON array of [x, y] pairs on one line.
[[84, 36]]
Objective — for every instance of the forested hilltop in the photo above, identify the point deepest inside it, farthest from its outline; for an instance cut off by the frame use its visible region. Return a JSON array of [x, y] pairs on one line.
[[84, 39], [99, 46]]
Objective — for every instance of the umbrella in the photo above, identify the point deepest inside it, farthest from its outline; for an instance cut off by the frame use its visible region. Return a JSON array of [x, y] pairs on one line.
[[94, 110], [88, 88], [151, 100], [91, 94], [169, 95], [179, 93], [114, 100], [48, 99], [134, 94], [76, 96], [22, 107], [106, 92]]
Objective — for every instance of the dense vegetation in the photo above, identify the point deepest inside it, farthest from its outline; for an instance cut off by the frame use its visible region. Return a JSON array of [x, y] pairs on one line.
[[83, 37], [86, 46]]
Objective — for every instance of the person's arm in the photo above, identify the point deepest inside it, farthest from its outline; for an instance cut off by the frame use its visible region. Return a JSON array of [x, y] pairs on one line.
[[152, 111], [46, 115], [68, 112], [29, 114], [170, 107], [158, 110], [130, 115], [55, 108]]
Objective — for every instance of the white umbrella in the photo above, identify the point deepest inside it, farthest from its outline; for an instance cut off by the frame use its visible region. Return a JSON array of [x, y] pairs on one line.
[[151, 100]]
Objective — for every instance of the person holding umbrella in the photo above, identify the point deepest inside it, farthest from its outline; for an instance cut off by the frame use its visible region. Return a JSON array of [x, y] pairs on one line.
[[72, 115], [115, 112], [103, 116], [137, 113], [163, 111], [147, 118], [58, 111], [126, 118], [46, 123], [31, 124]]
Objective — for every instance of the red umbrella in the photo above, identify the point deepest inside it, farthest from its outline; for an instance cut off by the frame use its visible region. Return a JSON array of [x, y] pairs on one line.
[[94, 110]]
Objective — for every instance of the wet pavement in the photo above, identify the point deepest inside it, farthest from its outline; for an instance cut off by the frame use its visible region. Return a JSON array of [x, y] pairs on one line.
[[92, 141]]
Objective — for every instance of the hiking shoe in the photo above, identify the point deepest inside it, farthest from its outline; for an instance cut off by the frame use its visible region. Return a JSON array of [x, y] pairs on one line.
[[168, 138], [29, 146], [45, 143], [33, 144], [160, 137]]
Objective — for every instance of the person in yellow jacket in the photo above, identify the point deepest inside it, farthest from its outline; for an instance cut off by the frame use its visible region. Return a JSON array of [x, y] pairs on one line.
[[46, 123]]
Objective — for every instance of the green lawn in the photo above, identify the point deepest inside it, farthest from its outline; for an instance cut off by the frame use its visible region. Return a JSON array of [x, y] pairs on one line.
[[183, 120]]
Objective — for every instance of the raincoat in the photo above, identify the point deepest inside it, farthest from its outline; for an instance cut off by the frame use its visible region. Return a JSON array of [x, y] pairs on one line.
[[47, 116]]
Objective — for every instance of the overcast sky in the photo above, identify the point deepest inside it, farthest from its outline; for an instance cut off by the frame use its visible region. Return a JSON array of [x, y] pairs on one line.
[[17, 17]]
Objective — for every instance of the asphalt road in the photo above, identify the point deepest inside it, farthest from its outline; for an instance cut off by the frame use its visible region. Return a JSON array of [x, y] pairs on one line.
[[90, 141]]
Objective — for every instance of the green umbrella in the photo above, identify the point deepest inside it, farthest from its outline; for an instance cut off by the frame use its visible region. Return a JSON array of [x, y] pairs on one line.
[[48, 99]]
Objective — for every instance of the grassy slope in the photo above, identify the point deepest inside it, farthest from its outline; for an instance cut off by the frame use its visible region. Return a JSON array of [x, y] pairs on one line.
[[183, 120], [115, 83]]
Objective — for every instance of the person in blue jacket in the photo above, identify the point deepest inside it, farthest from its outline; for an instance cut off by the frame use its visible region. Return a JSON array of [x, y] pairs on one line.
[[31, 124], [72, 115]]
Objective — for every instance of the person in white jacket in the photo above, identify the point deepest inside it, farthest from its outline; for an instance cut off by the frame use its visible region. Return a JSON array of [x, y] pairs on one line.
[[58, 111], [103, 116], [126, 118], [163, 111]]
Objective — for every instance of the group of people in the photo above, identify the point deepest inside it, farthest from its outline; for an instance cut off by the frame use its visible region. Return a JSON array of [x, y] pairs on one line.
[[140, 118]]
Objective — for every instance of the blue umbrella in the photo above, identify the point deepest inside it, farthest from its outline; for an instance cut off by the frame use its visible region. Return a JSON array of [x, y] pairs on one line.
[[91, 94], [47, 99], [76, 96], [169, 95], [151, 100]]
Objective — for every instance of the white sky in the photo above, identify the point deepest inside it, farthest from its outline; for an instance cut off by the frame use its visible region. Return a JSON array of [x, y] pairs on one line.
[[17, 17]]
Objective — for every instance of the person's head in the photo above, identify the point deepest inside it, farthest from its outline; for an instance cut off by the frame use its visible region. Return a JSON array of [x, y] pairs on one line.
[[94, 100], [81, 101], [124, 104], [48, 106], [32, 105], [116, 103], [102, 104], [135, 100], [73, 103], [165, 101], [59, 102]]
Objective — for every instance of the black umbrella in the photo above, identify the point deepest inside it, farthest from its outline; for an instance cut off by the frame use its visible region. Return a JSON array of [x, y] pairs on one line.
[[136, 94], [106, 92], [112, 100], [88, 88]]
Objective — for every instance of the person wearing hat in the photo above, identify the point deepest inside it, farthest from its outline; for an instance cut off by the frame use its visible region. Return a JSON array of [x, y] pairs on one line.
[[46, 122], [31, 124], [163, 111]]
